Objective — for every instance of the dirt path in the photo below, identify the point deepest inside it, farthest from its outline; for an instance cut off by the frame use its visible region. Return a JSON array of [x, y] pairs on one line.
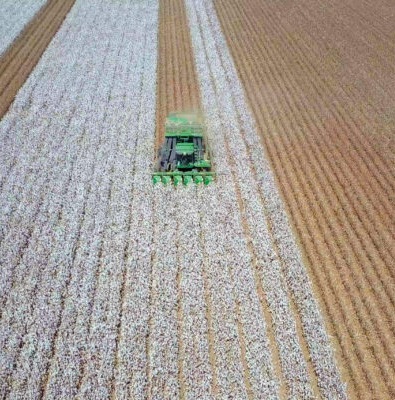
[[19, 60], [337, 184]]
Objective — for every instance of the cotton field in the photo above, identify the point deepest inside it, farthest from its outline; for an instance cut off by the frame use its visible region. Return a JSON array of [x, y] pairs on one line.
[[112, 287], [13, 18]]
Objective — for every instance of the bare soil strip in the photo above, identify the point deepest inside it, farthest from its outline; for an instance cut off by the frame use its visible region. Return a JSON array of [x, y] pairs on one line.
[[19, 60], [338, 186], [177, 88]]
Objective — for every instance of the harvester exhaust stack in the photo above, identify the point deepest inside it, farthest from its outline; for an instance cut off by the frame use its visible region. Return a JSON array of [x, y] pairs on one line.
[[184, 156]]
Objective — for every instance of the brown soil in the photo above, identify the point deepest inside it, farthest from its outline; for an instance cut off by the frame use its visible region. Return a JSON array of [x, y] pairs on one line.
[[19, 60], [178, 88], [319, 79]]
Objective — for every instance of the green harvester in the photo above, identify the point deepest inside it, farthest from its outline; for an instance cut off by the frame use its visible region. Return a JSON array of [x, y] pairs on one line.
[[184, 156]]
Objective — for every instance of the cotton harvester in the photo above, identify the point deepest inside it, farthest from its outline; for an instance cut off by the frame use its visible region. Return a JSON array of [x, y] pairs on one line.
[[184, 156]]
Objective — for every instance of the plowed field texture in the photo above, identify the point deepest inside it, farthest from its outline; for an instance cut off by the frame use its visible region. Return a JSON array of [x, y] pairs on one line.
[[276, 281]]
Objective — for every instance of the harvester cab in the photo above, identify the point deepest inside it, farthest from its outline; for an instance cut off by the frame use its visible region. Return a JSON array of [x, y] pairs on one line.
[[184, 155]]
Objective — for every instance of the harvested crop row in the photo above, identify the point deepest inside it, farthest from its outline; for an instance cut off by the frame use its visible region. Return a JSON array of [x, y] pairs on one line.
[[215, 65], [365, 104], [360, 41], [177, 88], [330, 176], [13, 18], [19, 60]]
